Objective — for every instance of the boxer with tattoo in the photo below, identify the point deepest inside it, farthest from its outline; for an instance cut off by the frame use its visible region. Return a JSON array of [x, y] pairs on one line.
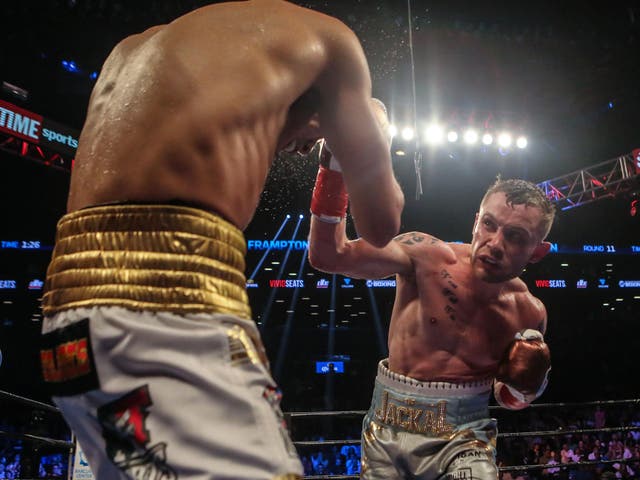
[[462, 324]]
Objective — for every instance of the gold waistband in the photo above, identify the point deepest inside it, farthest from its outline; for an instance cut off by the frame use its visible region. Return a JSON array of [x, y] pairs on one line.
[[147, 257]]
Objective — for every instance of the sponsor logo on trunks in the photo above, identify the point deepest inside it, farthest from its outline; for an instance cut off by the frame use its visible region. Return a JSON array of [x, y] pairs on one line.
[[470, 454], [461, 474], [406, 413], [273, 396], [127, 440], [67, 361]]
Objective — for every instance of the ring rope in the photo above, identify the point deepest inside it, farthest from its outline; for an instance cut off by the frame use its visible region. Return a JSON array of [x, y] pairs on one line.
[[28, 401], [51, 442], [551, 433], [514, 468], [538, 466], [347, 413], [545, 433]]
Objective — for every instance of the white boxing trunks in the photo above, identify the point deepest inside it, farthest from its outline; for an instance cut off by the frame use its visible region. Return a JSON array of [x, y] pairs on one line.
[[428, 430], [149, 350]]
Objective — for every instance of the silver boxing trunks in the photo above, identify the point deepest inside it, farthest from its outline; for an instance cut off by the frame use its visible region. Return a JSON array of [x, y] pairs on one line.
[[428, 430], [149, 350]]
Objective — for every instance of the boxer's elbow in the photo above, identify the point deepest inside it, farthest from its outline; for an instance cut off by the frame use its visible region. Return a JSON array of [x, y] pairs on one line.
[[384, 223], [324, 258]]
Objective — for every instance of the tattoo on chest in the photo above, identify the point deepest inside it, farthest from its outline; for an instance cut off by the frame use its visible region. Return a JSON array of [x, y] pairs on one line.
[[449, 294]]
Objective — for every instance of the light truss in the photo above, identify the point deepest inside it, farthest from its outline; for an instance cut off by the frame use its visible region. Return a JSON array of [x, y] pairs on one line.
[[603, 180], [34, 152]]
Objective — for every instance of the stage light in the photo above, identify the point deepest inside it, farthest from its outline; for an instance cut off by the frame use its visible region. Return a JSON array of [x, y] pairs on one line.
[[93, 75], [407, 133], [400, 153], [470, 136], [393, 130], [434, 134], [301, 216], [452, 136], [522, 142], [487, 139], [288, 216], [504, 140], [70, 66]]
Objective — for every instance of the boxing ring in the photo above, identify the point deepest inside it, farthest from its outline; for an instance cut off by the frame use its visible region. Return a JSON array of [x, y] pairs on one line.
[[68, 446]]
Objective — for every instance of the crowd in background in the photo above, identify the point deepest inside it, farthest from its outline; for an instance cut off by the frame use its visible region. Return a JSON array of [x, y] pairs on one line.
[[614, 449]]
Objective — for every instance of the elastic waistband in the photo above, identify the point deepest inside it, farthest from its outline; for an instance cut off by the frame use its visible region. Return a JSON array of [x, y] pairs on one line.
[[434, 409], [411, 386], [147, 257]]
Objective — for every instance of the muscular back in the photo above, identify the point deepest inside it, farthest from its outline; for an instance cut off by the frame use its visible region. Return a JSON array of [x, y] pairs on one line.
[[444, 327], [195, 110]]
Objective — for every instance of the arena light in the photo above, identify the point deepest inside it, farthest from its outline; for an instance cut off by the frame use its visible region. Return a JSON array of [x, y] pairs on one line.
[[521, 142], [504, 140], [434, 134], [452, 136], [487, 139], [470, 136], [393, 130], [400, 153], [70, 66], [407, 133]]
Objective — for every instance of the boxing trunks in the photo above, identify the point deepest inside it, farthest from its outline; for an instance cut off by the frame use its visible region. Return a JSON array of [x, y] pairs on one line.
[[427, 430], [149, 350]]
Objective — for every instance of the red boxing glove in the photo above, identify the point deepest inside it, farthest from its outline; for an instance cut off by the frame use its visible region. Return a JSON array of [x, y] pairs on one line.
[[330, 199], [523, 373]]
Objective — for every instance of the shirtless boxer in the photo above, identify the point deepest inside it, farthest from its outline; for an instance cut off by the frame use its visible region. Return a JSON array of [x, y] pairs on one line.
[[462, 321], [148, 344]]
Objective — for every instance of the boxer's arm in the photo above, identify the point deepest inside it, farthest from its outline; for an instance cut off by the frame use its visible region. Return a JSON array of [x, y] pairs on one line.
[[331, 251], [349, 125]]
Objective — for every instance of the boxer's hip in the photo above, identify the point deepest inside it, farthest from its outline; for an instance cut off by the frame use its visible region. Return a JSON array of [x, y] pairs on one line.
[[147, 257]]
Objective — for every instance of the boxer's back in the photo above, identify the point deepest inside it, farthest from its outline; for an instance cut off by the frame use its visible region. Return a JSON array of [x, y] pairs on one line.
[[194, 110]]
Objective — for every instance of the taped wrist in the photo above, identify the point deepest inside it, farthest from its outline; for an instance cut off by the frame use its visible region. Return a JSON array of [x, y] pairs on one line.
[[330, 199]]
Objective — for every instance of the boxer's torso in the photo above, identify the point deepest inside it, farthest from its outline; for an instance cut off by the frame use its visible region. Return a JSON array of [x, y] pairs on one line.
[[195, 110], [448, 326]]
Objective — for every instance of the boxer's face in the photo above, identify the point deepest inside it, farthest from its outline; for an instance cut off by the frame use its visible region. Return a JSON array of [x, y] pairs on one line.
[[506, 238]]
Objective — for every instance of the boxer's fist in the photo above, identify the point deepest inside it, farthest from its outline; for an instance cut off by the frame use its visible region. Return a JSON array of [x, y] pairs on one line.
[[522, 374]]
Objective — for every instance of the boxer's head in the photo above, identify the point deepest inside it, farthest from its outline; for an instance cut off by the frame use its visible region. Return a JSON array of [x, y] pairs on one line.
[[514, 219]]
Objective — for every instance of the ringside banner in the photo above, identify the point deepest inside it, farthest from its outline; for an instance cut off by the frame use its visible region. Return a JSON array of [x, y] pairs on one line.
[[37, 129]]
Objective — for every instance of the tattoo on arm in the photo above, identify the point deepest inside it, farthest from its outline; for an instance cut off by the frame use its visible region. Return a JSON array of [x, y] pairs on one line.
[[410, 238]]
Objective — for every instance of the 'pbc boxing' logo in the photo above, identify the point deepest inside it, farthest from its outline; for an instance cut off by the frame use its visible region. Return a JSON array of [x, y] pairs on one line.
[[124, 430]]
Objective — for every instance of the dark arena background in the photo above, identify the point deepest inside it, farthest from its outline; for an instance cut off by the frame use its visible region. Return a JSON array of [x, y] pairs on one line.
[[562, 75]]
